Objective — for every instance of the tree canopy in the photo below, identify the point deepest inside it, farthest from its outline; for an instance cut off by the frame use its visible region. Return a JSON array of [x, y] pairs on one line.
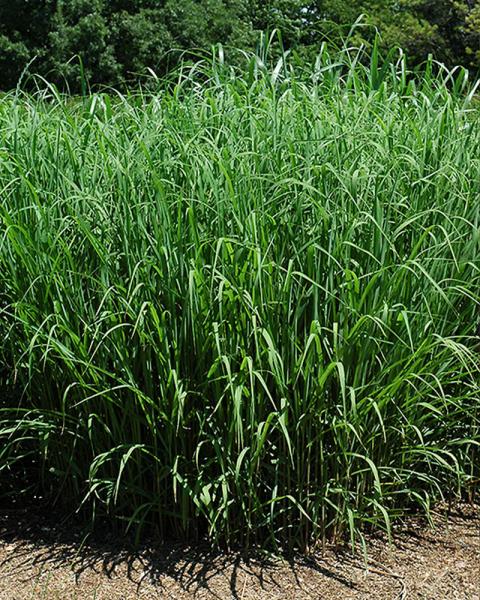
[[119, 40]]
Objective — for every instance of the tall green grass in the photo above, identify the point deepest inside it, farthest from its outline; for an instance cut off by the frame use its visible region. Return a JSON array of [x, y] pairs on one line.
[[244, 304]]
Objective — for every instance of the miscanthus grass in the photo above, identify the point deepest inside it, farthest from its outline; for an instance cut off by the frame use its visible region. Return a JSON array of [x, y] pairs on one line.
[[245, 304]]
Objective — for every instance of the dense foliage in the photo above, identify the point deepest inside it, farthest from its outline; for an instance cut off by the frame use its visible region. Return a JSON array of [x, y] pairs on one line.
[[246, 308], [123, 39]]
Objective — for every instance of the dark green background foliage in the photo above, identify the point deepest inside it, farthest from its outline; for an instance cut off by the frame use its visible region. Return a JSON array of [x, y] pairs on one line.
[[120, 39]]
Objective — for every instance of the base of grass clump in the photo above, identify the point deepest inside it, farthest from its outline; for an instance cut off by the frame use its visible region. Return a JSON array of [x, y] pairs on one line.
[[245, 308], [42, 557]]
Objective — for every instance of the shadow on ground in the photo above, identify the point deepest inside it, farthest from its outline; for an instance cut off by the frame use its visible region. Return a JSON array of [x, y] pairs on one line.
[[41, 543], [422, 563]]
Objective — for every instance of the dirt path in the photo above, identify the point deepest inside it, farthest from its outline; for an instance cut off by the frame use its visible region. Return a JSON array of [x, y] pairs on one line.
[[39, 561]]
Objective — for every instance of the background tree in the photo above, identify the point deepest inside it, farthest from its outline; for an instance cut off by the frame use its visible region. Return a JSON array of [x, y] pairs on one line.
[[120, 40], [24, 27]]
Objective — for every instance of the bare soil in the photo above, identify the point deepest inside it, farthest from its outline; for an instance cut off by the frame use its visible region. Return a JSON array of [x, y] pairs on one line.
[[41, 560]]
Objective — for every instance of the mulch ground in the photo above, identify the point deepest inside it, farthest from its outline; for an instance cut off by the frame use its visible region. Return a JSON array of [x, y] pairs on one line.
[[41, 560]]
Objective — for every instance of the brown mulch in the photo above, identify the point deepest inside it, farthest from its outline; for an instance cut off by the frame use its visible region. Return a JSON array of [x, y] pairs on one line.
[[42, 561]]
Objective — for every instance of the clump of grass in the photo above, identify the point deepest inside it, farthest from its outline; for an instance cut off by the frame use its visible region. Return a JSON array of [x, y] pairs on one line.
[[245, 304]]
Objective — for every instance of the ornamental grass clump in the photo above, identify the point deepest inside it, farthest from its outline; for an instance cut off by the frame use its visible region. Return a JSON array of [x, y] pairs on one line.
[[244, 304]]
